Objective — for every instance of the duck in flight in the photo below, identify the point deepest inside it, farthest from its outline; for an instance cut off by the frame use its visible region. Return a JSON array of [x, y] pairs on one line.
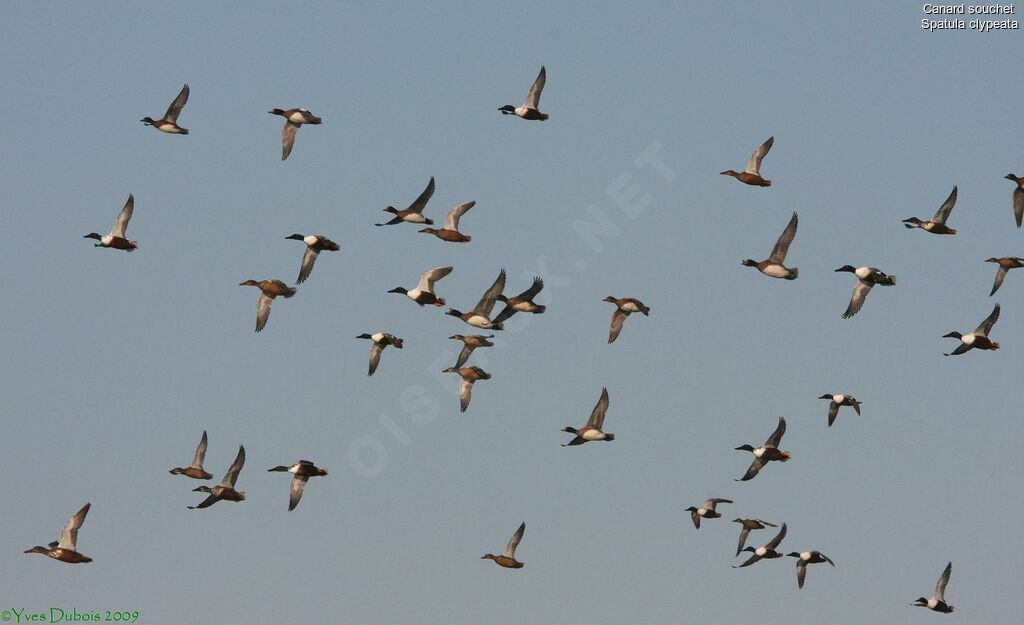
[[977, 339], [116, 239], [707, 511], [766, 552], [592, 431], [938, 598], [529, 109], [765, 453], [450, 231], [803, 558], [302, 470], [1018, 198], [169, 122], [469, 375], [315, 243], [380, 341], [624, 307], [835, 401], [269, 289], [226, 489], [937, 224], [65, 548], [746, 525], [867, 277], [469, 343], [774, 266], [413, 214], [1005, 263], [424, 294], [752, 174], [522, 302], [507, 558], [293, 118], [195, 470], [479, 317]]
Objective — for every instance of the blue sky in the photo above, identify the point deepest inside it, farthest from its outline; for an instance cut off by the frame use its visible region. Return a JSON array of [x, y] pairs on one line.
[[115, 363]]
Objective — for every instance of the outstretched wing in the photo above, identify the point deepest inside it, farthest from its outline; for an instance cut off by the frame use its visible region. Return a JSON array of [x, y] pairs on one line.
[[778, 538], [298, 483], [236, 467], [197, 460], [801, 572], [451, 222], [69, 535], [430, 276], [754, 164], [121, 223], [596, 419], [421, 202], [533, 98], [1000, 274], [510, 548], [1018, 205], [263, 310], [860, 293], [940, 587], [986, 325], [942, 214], [288, 138], [776, 437], [175, 108], [465, 394], [618, 318], [744, 530], [486, 303], [464, 355], [375, 351], [535, 288], [778, 254], [307, 264], [833, 410]]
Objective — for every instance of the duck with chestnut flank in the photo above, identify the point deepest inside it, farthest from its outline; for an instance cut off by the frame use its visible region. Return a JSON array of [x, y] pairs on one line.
[[195, 470], [707, 511], [169, 122], [479, 317], [380, 341], [507, 559], [1005, 263], [529, 109], [752, 174], [64, 549], [116, 239], [302, 470], [774, 266], [469, 343], [592, 431], [624, 307], [469, 375], [977, 339], [293, 119], [835, 401], [450, 231], [522, 302], [867, 277], [424, 294], [937, 224], [765, 453], [413, 214], [766, 552], [225, 491], [315, 243], [269, 289]]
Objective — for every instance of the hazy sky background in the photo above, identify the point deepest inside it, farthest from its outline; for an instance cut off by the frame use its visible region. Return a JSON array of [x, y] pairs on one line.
[[114, 363]]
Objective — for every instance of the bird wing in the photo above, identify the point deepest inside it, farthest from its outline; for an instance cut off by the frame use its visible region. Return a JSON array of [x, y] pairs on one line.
[[375, 351], [833, 410], [801, 572], [1018, 205], [1000, 274], [940, 587], [465, 394], [778, 538], [236, 467], [695, 518], [197, 460], [942, 214], [535, 288], [121, 223], [860, 293], [827, 559], [263, 310], [288, 138], [714, 501], [754, 164], [506, 312], [513, 542], [986, 325], [744, 530], [486, 303], [618, 318], [421, 202], [962, 348], [175, 108], [298, 483], [533, 98], [855, 404], [778, 254], [451, 222], [596, 419], [752, 470], [69, 535], [429, 277], [206, 503], [754, 558], [464, 355], [776, 437], [308, 258], [579, 440]]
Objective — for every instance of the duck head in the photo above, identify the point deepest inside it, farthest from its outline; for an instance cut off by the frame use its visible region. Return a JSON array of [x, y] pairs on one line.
[[488, 556], [826, 396], [794, 554], [391, 209], [749, 263], [37, 549], [1012, 177], [508, 109], [690, 509], [921, 602], [457, 337], [147, 120], [992, 260], [729, 172], [609, 299], [569, 429], [364, 336], [202, 489], [450, 370], [849, 268], [278, 468], [297, 237], [93, 235], [750, 549], [453, 312], [399, 289], [428, 230], [953, 335], [249, 283], [745, 448], [912, 222]]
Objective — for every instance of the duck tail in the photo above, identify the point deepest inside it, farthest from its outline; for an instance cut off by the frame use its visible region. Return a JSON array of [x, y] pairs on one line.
[[501, 326], [135, 246], [785, 457], [794, 273], [543, 117], [609, 437], [540, 309], [995, 345], [439, 303]]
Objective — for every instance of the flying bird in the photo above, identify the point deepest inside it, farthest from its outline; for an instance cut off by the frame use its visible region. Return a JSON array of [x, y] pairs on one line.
[[226, 489], [169, 122], [752, 174], [624, 307], [424, 294], [64, 549], [116, 239], [765, 453], [195, 470], [508, 557], [529, 109], [707, 511], [765, 552], [469, 343], [803, 558], [302, 470], [746, 525], [293, 118], [592, 431], [450, 231], [469, 375], [937, 224], [977, 339], [867, 277], [315, 243], [1005, 264], [479, 317], [522, 302], [938, 599], [835, 401], [774, 266], [380, 341], [269, 289], [413, 214]]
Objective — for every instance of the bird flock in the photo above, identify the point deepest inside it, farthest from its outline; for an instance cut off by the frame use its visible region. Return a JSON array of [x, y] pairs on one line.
[[480, 316]]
